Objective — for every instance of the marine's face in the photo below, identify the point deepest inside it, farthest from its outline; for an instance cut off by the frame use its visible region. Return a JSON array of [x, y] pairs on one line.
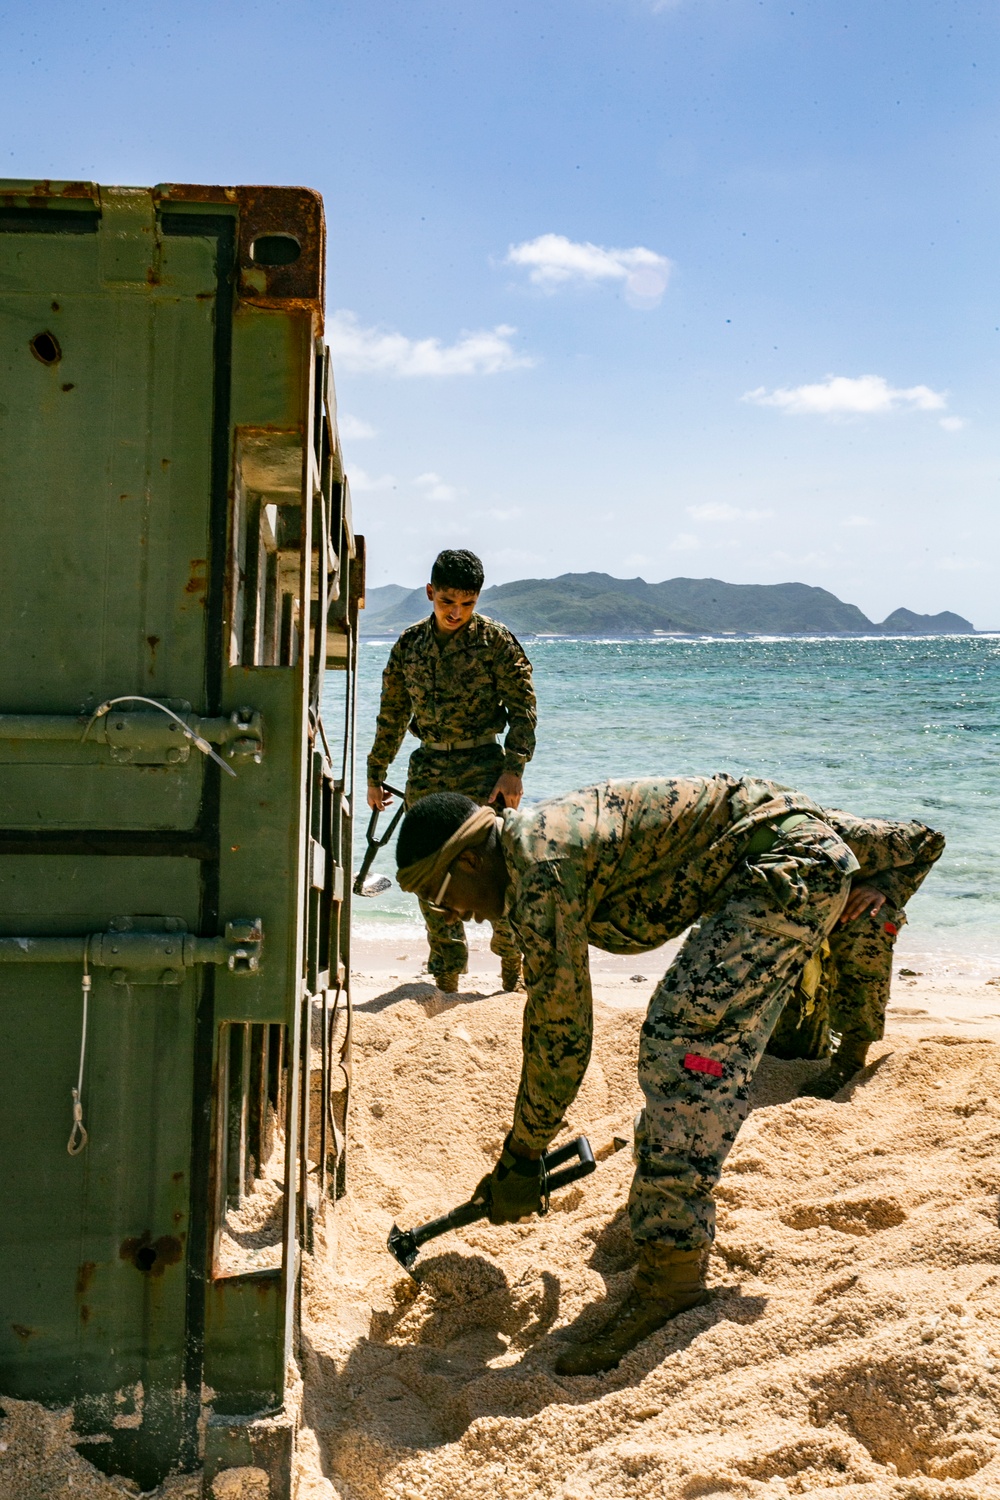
[[478, 884], [453, 608]]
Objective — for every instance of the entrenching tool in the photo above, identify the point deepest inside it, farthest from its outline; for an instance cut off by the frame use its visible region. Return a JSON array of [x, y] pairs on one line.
[[362, 885], [405, 1244]]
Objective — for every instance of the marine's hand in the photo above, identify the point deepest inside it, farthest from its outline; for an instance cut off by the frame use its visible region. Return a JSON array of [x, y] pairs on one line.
[[510, 788], [862, 899], [379, 798], [513, 1189]]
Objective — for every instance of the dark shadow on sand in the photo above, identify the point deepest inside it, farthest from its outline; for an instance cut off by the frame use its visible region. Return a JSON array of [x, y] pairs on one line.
[[421, 1389]]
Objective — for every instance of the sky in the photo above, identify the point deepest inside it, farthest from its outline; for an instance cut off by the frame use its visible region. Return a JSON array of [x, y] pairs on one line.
[[651, 287]]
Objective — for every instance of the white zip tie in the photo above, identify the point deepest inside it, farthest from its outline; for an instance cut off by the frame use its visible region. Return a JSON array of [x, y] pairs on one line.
[[196, 739], [78, 1134]]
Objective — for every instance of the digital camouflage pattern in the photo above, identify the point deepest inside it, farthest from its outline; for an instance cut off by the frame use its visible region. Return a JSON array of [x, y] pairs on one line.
[[628, 865], [456, 687], [852, 989], [446, 688], [474, 773]]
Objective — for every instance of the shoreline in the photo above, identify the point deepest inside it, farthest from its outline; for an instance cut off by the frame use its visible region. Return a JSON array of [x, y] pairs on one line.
[[932, 990]]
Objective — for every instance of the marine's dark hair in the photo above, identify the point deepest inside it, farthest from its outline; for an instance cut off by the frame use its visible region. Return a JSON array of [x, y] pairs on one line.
[[430, 823], [457, 569]]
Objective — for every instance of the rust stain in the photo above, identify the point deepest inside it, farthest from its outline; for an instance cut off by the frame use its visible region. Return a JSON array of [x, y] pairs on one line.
[[164, 463], [84, 1313], [84, 1276], [149, 1255], [69, 386], [23, 1333], [152, 641], [55, 307], [175, 1176], [198, 580], [153, 276]]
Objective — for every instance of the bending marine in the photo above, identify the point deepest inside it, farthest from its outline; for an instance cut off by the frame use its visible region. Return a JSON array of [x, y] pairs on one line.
[[760, 873]]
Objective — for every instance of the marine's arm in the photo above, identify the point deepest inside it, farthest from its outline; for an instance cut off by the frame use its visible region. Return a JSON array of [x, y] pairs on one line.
[[512, 672], [558, 1014], [894, 857], [393, 717]]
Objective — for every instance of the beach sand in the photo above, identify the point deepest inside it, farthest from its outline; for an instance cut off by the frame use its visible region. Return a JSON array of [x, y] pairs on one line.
[[851, 1347]]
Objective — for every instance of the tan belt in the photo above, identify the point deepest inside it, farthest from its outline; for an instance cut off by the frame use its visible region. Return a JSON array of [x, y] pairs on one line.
[[767, 835], [484, 739]]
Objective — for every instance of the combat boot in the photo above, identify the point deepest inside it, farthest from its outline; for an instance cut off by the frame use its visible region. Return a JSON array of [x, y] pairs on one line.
[[667, 1281], [846, 1063], [447, 983], [510, 976]]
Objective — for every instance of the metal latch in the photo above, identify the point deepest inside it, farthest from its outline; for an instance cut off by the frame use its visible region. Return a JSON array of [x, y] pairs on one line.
[[145, 950]]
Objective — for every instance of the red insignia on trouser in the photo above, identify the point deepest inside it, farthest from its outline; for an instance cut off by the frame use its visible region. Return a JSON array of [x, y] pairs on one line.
[[890, 928], [703, 1065]]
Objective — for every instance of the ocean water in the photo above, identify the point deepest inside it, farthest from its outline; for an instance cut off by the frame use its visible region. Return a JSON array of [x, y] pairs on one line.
[[901, 727]]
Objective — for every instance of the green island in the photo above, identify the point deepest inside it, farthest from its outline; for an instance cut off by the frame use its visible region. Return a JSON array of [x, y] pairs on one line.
[[595, 604]]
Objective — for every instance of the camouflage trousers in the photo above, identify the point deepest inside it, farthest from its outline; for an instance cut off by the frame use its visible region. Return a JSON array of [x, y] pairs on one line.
[[709, 1020], [474, 773], [846, 988]]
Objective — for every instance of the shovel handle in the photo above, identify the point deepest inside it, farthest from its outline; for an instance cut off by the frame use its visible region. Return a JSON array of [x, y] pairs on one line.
[[583, 1168], [374, 844], [405, 1244]]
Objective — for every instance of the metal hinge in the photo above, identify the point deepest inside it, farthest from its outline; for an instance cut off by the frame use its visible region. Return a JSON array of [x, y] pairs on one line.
[[145, 950]]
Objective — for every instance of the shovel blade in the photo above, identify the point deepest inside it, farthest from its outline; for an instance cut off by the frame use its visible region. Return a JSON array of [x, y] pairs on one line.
[[404, 1247]]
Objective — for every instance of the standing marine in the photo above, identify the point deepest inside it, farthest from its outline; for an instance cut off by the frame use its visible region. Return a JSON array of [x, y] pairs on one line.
[[765, 875], [457, 680]]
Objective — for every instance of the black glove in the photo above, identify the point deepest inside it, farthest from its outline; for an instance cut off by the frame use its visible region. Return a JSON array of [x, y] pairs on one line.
[[515, 1188]]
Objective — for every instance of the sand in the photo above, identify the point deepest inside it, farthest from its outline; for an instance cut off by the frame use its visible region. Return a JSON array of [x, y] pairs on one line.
[[852, 1343]]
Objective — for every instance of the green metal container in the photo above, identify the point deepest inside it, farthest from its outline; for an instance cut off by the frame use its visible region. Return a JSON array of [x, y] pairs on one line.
[[179, 570]]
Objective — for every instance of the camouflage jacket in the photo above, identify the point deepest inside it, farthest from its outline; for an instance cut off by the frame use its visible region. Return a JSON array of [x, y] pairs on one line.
[[626, 865], [455, 687]]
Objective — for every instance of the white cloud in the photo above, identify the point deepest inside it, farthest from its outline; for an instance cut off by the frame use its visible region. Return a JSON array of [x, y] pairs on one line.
[[685, 541], [353, 429], [553, 261], [722, 512], [377, 351], [953, 424], [361, 481], [434, 487], [837, 395]]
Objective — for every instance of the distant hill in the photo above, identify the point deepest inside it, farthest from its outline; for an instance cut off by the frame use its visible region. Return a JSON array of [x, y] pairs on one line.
[[386, 595], [597, 604], [905, 622]]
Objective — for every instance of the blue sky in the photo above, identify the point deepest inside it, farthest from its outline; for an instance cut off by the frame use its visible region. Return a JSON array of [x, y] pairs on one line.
[[704, 288]]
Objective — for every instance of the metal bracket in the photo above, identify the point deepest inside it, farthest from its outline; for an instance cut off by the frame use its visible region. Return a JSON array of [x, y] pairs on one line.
[[145, 950], [144, 736]]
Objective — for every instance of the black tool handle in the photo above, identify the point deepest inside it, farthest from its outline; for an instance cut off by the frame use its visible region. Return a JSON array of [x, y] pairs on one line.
[[465, 1213], [583, 1168], [374, 844], [470, 1213]]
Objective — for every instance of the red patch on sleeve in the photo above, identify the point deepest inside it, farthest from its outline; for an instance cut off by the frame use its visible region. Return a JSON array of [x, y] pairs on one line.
[[890, 927], [698, 1064]]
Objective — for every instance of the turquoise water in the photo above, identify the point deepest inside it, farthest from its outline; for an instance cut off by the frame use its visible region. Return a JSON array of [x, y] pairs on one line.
[[901, 727]]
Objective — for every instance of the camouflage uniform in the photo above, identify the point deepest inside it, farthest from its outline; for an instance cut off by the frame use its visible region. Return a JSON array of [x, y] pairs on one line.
[[851, 990], [447, 688], [627, 865]]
